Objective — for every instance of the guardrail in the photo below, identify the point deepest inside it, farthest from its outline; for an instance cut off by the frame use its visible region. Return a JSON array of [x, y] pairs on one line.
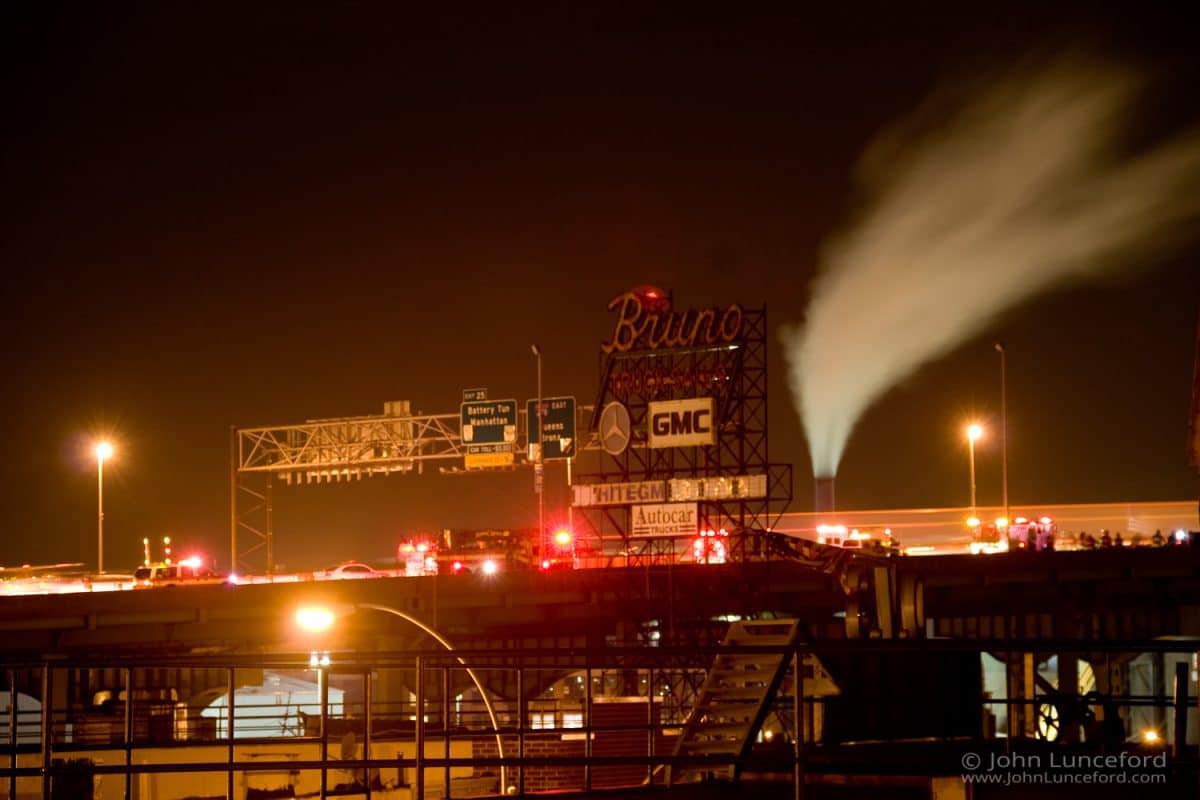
[[412, 723]]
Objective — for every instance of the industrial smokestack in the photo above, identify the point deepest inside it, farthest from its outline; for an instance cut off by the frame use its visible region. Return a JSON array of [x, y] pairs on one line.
[[988, 197], [824, 495]]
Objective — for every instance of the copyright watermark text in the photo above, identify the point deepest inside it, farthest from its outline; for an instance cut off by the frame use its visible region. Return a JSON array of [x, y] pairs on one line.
[[1014, 769]]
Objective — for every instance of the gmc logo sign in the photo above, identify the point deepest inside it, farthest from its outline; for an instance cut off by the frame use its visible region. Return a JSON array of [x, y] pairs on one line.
[[674, 423], [682, 423]]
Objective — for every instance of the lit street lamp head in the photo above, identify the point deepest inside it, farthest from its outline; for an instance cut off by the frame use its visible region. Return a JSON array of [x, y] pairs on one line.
[[974, 431], [315, 619], [103, 451]]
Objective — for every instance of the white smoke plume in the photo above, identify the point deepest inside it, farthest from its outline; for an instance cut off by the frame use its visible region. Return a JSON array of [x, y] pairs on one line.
[[1026, 184]]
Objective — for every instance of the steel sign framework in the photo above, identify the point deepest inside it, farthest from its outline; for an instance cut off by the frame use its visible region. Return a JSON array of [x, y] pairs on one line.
[[732, 370], [332, 450], [329, 451], [323, 451]]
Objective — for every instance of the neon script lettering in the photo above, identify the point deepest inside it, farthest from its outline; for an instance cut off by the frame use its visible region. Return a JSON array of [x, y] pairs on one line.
[[638, 327]]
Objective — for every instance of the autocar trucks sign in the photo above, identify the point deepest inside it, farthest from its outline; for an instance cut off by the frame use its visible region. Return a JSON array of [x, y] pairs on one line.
[[667, 519]]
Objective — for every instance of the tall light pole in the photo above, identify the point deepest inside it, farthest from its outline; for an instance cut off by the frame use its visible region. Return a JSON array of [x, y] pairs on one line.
[[1003, 427], [537, 457], [974, 431], [102, 450]]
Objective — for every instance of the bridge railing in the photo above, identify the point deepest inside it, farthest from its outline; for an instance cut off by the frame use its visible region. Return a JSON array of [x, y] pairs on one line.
[[479, 722]]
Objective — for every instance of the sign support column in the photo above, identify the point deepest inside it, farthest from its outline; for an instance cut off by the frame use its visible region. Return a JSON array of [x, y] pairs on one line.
[[538, 464], [551, 424]]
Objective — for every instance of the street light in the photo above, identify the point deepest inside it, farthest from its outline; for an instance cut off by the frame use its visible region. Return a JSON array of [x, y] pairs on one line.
[[1003, 426], [538, 468], [319, 619], [102, 450], [974, 431]]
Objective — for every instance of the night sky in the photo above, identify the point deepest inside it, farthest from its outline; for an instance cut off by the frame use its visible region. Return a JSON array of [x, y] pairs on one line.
[[257, 214]]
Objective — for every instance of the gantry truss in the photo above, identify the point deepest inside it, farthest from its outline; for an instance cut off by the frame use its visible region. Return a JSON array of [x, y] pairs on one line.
[[323, 451], [332, 450], [351, 447]]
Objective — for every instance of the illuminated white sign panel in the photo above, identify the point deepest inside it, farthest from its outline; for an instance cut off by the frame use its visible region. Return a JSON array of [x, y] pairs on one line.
[[666, 519], [730, 487], [682, 423], [619, 494], [724, 488]]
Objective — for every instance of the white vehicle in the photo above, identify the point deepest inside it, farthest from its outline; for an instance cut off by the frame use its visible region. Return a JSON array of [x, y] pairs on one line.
[[350, 570]]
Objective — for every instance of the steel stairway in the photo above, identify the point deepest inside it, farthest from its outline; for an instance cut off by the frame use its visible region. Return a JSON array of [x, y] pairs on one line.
[[734, 700]]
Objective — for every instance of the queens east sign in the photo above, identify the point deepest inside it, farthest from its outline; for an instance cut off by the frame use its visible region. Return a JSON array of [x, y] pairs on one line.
[[667, 519], [682, 423]]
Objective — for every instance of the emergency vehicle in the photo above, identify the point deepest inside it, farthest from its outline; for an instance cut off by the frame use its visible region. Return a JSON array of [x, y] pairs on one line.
[[875, 541], [560, 552], [711, 546], [483, 552], [190, 571], [988, 538], [839, 536], [1032, 534], [417, 557]]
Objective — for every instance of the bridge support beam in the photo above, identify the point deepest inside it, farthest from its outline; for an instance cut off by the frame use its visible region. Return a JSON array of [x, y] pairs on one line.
[[1068, 687], [1022, 714]]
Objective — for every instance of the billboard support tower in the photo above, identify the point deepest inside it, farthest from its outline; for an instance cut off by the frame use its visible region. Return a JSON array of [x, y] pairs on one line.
[[678, 375]]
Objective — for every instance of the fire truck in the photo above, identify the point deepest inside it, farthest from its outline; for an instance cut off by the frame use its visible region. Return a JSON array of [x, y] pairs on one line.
[[560, 552], [711, 546], [987, 538], [485, 552], [417, 557], [1032, 534], [466, 552]]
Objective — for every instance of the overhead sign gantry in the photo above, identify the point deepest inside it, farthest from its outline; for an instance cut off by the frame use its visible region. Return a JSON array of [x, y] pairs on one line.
[[483, 434]]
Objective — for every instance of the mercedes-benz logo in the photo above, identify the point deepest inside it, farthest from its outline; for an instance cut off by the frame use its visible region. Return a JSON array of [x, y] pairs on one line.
[[615, 427]]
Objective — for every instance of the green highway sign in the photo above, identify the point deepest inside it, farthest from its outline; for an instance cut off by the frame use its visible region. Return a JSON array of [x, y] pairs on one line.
[[489, 432], [556, 428]]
